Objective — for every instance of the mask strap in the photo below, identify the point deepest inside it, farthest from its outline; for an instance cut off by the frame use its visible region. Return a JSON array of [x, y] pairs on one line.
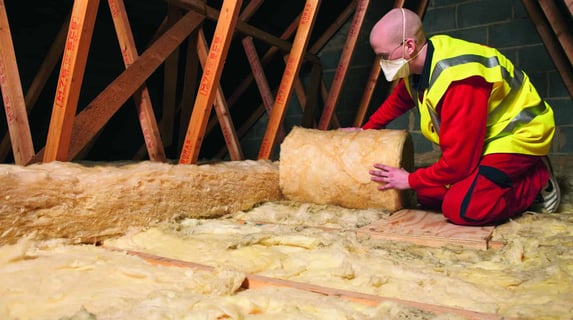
[[403, 33]]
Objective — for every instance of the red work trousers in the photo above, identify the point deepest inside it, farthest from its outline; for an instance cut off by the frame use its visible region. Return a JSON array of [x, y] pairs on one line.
[[502, 186]]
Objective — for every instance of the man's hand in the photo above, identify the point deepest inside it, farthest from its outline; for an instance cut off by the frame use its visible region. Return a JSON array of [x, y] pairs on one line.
[[390, 177]]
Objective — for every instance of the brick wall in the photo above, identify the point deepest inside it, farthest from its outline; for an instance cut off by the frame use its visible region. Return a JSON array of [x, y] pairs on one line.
[[503, 24]]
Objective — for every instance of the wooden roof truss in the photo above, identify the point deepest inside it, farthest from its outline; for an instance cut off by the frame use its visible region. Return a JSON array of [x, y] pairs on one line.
[[71, 133]]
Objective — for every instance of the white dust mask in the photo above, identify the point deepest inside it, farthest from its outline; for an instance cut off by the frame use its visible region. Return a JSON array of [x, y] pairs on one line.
[[398, 68], [395, 69]]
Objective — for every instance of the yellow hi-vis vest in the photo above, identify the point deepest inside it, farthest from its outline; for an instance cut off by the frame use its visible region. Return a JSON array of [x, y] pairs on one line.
[[518, 120]]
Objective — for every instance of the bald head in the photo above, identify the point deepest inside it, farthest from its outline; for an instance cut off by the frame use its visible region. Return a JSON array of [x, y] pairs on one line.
[[388, 30]]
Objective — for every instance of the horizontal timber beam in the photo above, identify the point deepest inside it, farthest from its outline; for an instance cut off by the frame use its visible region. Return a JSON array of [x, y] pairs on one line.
[[253, 281]]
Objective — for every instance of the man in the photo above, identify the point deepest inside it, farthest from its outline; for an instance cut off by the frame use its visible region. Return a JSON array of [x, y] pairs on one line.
[[492, 127]]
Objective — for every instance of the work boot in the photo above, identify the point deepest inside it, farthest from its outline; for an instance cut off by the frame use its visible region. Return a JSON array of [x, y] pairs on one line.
[[551, 194]]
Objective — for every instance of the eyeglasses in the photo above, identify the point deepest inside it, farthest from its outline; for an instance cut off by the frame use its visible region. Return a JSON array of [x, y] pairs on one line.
[[386, 56]]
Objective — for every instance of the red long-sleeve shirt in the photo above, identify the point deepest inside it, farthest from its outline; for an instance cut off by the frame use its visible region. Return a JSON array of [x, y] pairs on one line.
[[463, 115]]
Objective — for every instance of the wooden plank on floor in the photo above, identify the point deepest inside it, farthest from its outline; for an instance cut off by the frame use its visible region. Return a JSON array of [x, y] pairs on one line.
[[253, 281], [142, 98], [82, 22], [211, 75], [427, 228], [13, 96], [290, 74]]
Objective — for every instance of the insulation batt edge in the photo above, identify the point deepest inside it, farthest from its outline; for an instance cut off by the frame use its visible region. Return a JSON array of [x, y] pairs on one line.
[[91, 202]]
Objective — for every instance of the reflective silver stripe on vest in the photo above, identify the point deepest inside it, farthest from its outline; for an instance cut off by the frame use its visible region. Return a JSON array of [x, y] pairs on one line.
[[433, 114], [442, 65], [515, 82], [435, 120], [523, 117]]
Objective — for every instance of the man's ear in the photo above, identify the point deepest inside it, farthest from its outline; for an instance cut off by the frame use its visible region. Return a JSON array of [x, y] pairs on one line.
[[410, 45]]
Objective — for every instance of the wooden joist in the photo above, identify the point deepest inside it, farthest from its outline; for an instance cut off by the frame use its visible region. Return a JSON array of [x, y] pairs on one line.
[[333, 28], [13, 96], [242, 27], [189, 89], [298, 85], [142, 98], [221, 108], [247, 13], [247, 81], [291, 71], [170, 79], [559, 25], [258, 73], [312, 98], [257, 69], [551, 42], [250, 9], [80, 30], [60, 136], [253, 281], [211, 75], [569, 4], [38, 83], [244, 85], [367, 94], [343, 64], [48, 66], [298, 88], [98, 112]]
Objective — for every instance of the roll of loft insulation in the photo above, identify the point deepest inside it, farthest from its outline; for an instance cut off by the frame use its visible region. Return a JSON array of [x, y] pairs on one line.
[[331, 167], [92, 202]]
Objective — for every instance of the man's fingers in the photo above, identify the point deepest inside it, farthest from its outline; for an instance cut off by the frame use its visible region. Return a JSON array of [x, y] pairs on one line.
[[377, 173], [377, 179], [379, 166]]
